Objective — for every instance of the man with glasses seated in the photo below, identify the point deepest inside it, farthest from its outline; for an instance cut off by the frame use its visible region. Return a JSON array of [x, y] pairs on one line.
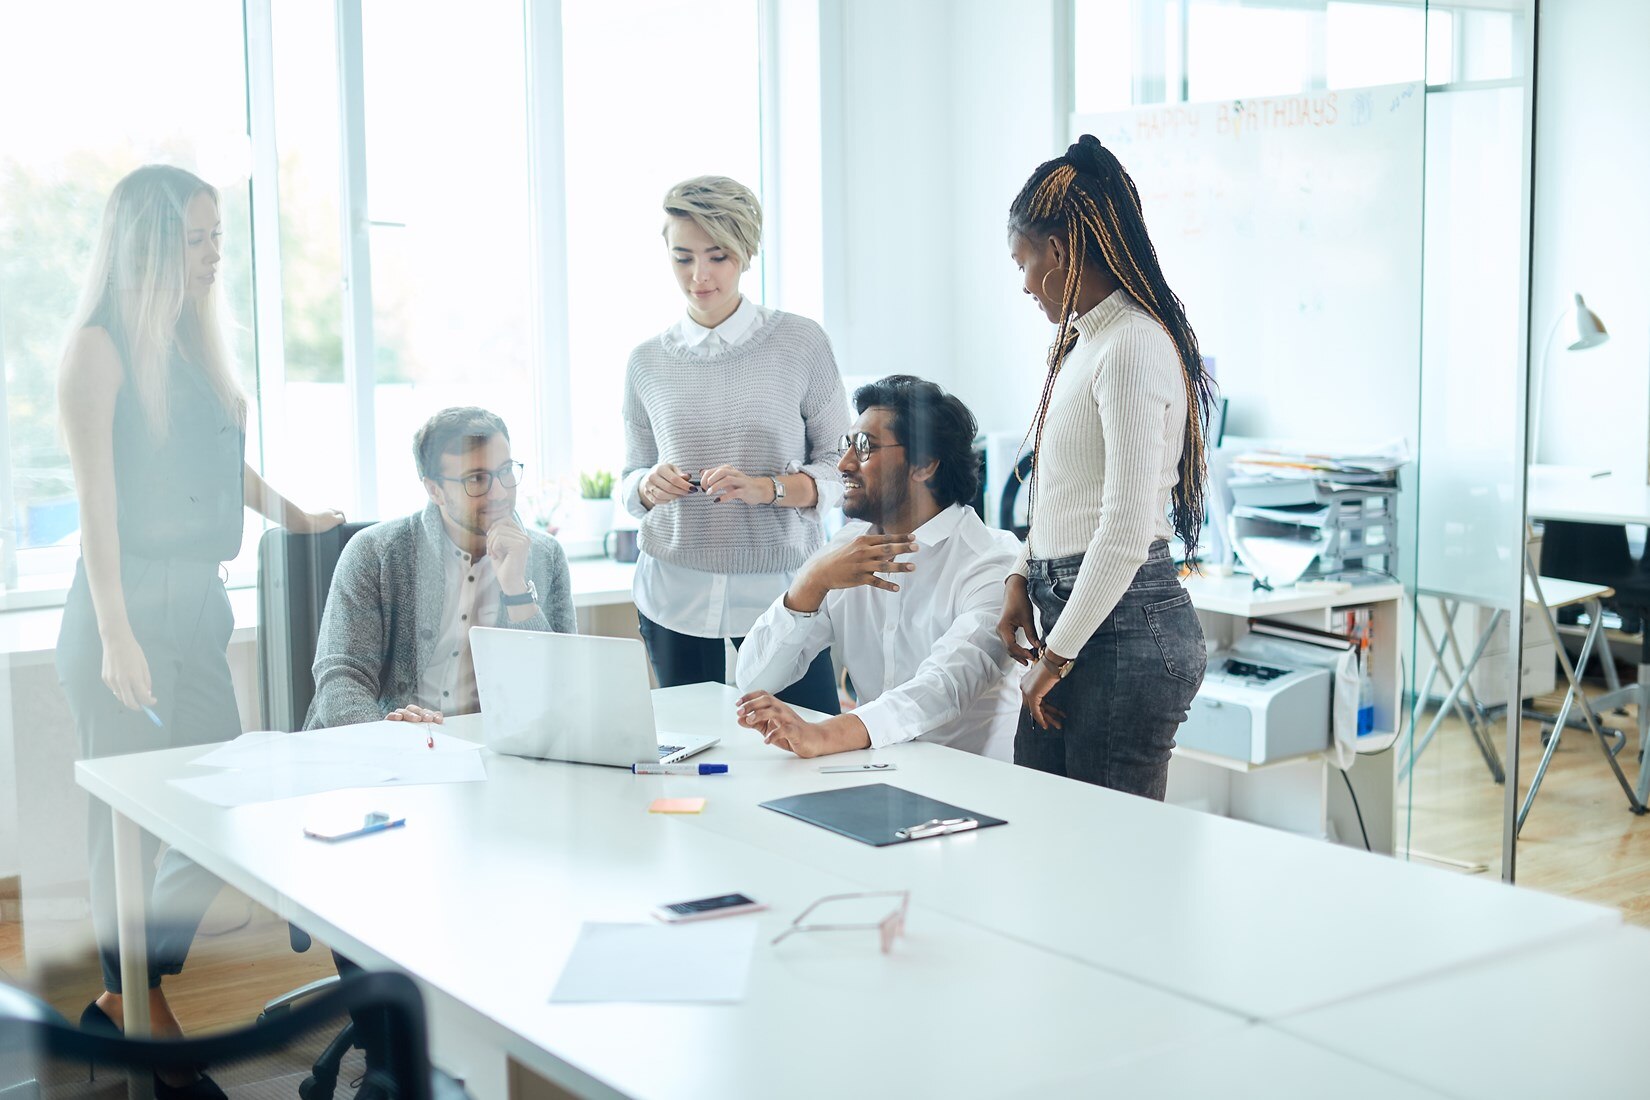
[[394, 639], [909, 596]]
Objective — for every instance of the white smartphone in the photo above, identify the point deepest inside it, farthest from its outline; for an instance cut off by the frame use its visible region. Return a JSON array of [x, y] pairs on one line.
[[725, 905]]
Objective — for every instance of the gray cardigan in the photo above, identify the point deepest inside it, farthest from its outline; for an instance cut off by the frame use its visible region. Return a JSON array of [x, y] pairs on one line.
[[384, 611]]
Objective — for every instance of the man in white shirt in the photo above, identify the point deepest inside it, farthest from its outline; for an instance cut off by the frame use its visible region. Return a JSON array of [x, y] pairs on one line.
[[909, 594]]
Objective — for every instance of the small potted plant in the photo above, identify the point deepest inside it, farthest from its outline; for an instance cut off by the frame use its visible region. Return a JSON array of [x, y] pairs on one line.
[[594, 508]]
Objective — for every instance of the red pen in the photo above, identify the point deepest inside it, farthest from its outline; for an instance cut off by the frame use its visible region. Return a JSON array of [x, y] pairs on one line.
[[431, 743]]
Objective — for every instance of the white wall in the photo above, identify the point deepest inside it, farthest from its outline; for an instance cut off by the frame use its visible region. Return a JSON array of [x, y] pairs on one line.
[[1592, 228], [936, 116]]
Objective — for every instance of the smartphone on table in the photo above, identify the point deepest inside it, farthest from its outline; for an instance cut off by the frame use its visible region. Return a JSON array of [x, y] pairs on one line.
[[724, 905]]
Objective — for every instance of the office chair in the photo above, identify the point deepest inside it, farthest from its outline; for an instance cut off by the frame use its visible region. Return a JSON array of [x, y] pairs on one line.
[[294, 577], [43, 1055]]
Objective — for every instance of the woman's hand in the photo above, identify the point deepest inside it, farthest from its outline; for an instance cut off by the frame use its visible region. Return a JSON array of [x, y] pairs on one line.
[[727, 483], [126, 670], [1018, 616], [313, 523], [1034, 688], [664, 483]]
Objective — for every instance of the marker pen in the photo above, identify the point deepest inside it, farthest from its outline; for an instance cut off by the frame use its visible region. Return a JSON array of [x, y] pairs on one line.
[[679, 769]]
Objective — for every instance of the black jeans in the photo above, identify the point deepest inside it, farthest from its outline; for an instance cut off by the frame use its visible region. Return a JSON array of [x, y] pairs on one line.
[[1131, 684], [683, 659]]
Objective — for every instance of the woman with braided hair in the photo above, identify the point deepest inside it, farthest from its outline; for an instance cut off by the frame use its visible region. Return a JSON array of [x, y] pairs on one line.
[[1114, 647]]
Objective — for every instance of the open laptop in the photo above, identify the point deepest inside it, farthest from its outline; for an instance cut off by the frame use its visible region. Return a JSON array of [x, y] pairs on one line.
[[570, 697]]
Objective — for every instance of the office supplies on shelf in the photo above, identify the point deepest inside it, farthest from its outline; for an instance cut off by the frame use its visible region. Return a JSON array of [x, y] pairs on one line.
[[873, 814], [701, 962], [1262, 699], [676, 806]]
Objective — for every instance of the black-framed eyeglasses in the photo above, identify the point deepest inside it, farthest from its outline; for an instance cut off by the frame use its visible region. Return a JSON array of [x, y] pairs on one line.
[[480, 483], [862, 445]]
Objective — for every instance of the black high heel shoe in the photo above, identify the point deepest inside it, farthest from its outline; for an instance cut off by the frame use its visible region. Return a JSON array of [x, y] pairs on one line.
[[94, 1019]]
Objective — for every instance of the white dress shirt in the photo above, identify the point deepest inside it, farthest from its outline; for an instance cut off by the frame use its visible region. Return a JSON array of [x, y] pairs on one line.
[[925, 661], [692, 601], [448, 680]]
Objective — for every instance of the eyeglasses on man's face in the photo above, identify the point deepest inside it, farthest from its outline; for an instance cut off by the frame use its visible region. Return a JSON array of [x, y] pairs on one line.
[[479, 483], [862, 445]]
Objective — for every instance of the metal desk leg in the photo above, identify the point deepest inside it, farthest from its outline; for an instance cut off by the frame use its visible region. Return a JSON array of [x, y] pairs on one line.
[[1418, 748], [1643, 691], [130, 920], [1596, 613], [1559, 723], [1471, 711]]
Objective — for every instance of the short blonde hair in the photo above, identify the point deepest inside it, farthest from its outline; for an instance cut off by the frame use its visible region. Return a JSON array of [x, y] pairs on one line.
[[725, 209]]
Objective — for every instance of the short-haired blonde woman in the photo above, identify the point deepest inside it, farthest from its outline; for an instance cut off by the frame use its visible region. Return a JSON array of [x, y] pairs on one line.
[[733, 420], [156, 429]]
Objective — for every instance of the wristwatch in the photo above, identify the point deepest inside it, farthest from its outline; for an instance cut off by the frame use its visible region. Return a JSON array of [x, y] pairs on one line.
[[778, 488], [529, 596], [1060, 671]]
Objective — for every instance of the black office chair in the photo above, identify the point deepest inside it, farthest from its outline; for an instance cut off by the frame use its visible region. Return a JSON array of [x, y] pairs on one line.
[[43, 1055], [294, 577]]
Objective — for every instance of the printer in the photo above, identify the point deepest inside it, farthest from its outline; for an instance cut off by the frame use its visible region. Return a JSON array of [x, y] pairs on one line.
[[1263, 699]]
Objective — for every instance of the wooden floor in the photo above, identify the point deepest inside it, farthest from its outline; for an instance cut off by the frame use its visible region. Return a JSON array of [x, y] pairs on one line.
[[241, 959], [1580, 839]]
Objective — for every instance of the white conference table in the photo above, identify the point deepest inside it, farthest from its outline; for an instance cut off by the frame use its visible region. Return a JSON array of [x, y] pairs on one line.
[[1093, 931]]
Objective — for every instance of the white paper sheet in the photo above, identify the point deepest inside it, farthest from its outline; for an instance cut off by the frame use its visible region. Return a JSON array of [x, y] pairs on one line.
[[706, 962], [264, 766]]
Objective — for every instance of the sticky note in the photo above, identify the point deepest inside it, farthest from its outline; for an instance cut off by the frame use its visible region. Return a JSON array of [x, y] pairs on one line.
[[676, 806]]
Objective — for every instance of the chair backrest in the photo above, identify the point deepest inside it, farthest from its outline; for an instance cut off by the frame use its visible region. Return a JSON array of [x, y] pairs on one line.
[[40, 1048], [1592, 552], [294, 575]]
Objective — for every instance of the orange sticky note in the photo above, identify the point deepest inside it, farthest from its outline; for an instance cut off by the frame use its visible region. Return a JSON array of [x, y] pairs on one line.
[[676, 806]]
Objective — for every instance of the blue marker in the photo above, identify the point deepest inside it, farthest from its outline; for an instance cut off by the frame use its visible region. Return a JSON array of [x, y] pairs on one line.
[[679, 769], [155, 718]]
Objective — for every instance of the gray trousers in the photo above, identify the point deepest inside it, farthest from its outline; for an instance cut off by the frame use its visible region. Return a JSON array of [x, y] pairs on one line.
[[1130, 687], [180, 615]]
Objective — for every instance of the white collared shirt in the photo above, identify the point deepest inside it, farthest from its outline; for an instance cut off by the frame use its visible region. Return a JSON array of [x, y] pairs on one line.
[[693, 601], [926, 660], [447, 682]]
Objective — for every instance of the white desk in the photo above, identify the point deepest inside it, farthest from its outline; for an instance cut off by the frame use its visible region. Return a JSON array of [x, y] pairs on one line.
[[1091, 930], [1542, 1023], [1572, 493]]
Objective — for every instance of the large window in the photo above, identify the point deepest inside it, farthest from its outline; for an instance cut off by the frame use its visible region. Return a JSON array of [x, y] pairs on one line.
[[80, 110], [456, 172], [655, 93]]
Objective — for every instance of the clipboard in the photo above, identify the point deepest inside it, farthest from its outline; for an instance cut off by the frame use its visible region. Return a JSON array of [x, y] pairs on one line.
[[879, 815]]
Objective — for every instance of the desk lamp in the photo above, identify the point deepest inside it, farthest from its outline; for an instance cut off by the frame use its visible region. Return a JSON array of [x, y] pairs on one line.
[[1589, 332]]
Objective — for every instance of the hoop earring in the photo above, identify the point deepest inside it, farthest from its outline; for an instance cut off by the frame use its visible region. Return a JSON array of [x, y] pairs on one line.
[[1043, 285]]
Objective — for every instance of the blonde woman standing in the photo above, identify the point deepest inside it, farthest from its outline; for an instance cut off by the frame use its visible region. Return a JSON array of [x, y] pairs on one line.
[[156, 429], [734, 417]]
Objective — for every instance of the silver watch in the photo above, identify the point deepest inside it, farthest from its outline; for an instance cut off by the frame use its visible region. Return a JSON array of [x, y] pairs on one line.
[[778, 488], [529, 596]]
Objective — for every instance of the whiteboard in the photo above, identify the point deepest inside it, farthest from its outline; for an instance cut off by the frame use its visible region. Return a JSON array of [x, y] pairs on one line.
[[1290, 226]]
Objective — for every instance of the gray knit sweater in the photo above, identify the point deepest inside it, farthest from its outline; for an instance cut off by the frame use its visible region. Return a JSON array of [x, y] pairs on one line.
[[774, 404], [384, 611]]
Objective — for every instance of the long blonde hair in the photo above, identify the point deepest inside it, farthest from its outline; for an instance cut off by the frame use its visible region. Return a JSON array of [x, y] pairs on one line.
[[139, 280]]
